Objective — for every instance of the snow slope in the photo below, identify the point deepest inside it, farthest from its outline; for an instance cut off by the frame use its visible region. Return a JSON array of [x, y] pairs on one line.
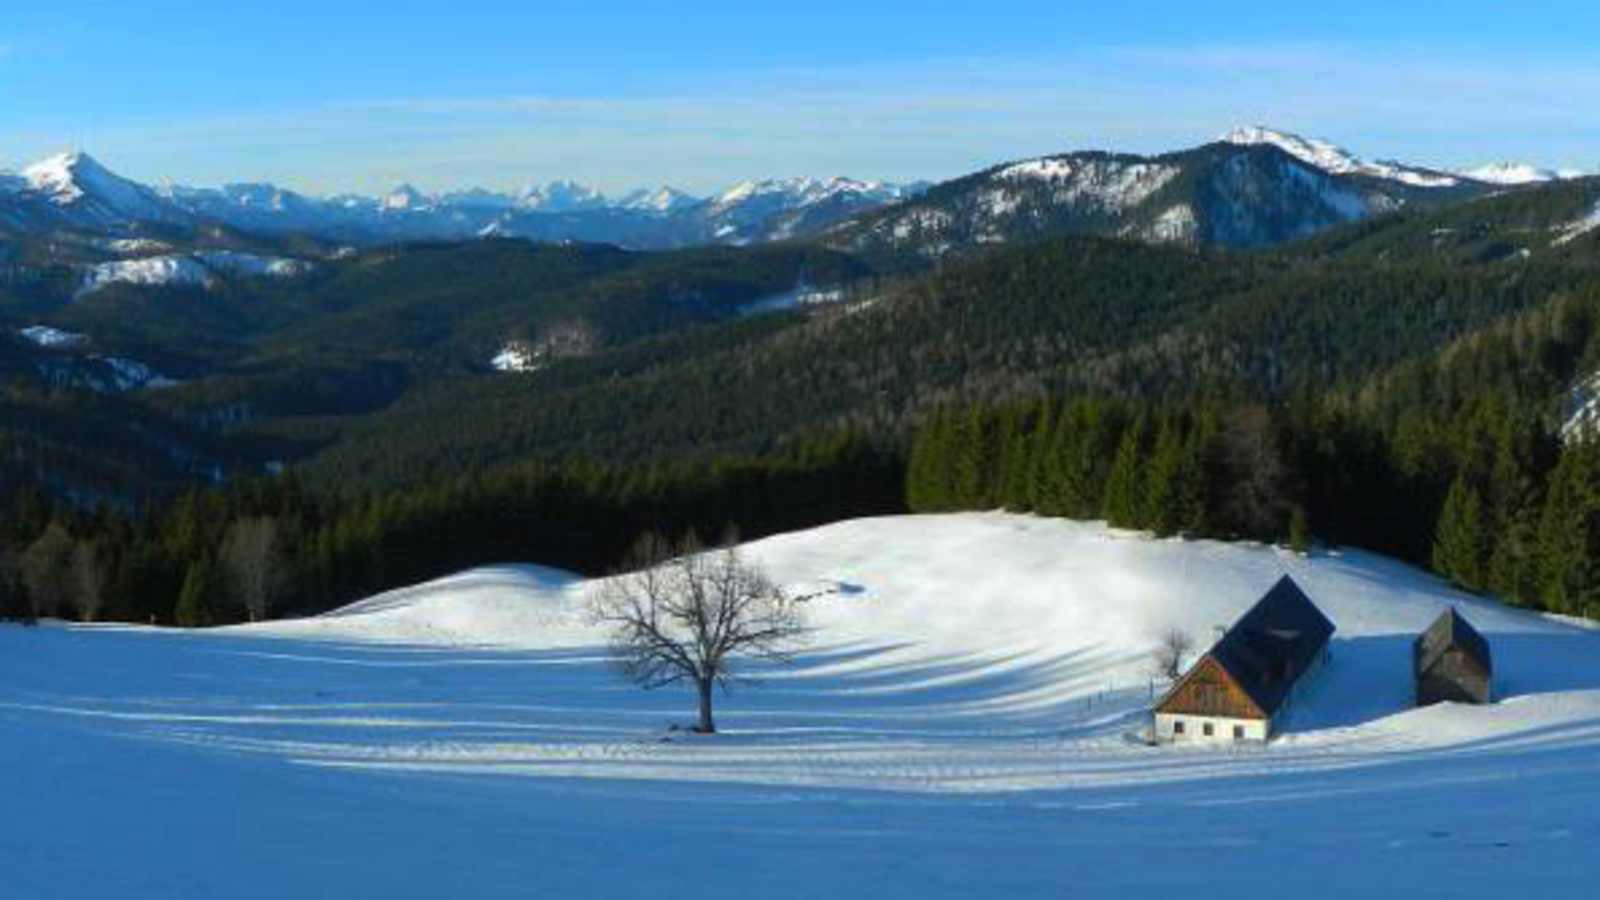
[[961, 723], [1570, 232], [197, 270], [1336, 160], [54, 338]]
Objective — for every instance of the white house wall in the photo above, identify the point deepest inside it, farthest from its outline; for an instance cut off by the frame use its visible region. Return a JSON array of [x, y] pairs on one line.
[[1221, 729]]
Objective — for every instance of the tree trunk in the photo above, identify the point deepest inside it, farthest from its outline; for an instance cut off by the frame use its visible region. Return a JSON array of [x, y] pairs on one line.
[[706, 726]]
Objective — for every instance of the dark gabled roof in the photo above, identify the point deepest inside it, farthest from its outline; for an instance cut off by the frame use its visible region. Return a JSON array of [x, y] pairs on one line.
[[1447, 631], [1274, 643]]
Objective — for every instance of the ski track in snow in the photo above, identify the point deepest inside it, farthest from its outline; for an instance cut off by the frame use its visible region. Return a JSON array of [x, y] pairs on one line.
[[969, 701]]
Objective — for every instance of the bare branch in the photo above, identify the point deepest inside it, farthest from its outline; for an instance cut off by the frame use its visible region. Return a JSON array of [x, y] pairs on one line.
[[686, 616], [1167, 658]]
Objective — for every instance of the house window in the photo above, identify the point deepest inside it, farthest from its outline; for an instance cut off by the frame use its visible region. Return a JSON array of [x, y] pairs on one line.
[[1238, 732], [1177, 726], [1206, 728]]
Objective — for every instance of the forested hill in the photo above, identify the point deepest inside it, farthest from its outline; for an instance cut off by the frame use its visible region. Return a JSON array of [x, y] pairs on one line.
[[1400, 371], [392, 365], [1068, 314]]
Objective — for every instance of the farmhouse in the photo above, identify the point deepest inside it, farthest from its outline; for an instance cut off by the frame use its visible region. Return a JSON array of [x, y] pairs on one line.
[[1451, 660], [1238, 690]]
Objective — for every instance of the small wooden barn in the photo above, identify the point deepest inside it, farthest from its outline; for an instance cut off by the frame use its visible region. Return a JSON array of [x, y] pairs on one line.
[[1452, 662], [1241, 687]]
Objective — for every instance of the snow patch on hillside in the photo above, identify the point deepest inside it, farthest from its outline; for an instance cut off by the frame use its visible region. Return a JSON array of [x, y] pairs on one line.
[[1583, 409], [1576, 229], [198, 270], [517, 356], [802, 296], [252, 266], [153, 270], [1047, 168], [137, 246], [1177, 224], [53, 338], [1114, 185]]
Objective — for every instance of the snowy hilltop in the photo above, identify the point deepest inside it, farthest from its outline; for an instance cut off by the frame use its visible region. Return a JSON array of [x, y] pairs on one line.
[[971, 697]]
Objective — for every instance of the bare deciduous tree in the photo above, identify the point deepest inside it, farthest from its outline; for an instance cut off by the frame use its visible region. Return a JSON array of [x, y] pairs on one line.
[[251, 559], [1247, 457], [91, 569], [47, 572], [1167, 658], [685, 616]]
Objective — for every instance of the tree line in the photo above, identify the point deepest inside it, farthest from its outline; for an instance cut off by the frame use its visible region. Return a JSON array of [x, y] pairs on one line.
[[275, 547]]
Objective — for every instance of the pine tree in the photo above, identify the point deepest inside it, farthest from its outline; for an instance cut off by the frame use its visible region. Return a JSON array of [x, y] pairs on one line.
[[1083, 442], [1042, 461], [1124, 503], [1016, 463], [924, 470], [1566, 569], [1162, 481], [1459, 545], [1512, 516], [193, 609], [972, 461], [1193, 480]]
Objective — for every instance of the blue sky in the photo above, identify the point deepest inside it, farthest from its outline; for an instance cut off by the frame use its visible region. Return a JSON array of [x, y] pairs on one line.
[[336, 96]]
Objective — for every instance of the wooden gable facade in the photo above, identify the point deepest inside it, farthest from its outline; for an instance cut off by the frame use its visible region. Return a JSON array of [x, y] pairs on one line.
[[1208, 690], [1452, 662]]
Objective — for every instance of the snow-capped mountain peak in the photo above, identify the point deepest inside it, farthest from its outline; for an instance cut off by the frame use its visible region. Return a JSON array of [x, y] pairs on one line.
[[805, 191], [1325, 155], [560, 196], [1510, 173], [663, 199], [1335, 160], [404, 197], [89, 193], [58, 176]]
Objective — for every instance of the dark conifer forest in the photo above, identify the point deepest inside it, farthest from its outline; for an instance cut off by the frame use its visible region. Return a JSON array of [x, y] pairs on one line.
[[1402, 385]]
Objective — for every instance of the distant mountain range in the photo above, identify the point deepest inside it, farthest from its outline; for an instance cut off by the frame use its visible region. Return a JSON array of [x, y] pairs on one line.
[[1253, 186], [75, 191]]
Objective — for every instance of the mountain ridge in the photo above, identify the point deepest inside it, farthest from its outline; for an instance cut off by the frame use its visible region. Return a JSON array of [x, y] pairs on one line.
[[1254, 186]]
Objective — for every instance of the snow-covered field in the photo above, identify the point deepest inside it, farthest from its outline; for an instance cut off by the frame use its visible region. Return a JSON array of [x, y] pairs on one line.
[[962, 723]]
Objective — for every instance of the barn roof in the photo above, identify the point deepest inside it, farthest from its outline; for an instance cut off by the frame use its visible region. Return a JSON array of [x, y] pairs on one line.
[[1274, 643], [1447, 631]]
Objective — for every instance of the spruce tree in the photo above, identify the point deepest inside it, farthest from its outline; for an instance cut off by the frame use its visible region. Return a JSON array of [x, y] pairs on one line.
[[1459, 542], [1566, 571], [1163, 480], [972, 462], [193, 609], [922, 469], [1124, 504]]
